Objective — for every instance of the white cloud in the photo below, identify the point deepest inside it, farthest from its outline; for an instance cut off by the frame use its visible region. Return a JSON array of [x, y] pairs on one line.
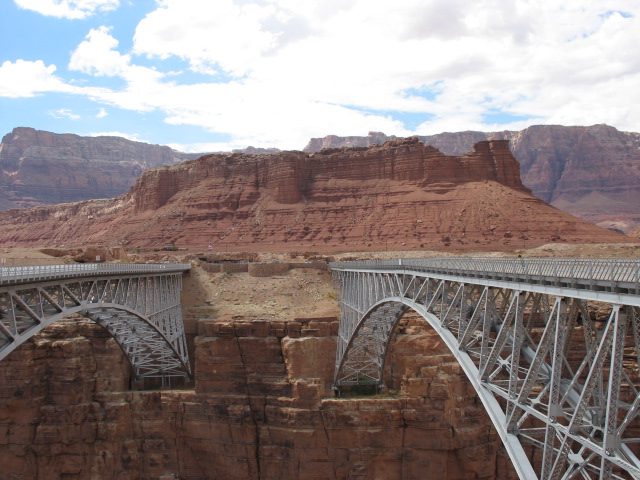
[[102, 113], [64, 113], [23, 78], [490, 57], [292, 70], [97, 55], [72, 9], [207, 34]]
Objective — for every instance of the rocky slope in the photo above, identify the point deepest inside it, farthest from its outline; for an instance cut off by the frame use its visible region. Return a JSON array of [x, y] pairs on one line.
[[402, 195], [591, 172], [38, 167]]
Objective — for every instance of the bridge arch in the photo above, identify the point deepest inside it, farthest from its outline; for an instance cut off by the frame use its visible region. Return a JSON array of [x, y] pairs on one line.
[[382, 318], [138, 305], [514, 330]]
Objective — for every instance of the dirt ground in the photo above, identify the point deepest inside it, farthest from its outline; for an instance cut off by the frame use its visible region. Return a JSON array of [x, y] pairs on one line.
[[298, 293]]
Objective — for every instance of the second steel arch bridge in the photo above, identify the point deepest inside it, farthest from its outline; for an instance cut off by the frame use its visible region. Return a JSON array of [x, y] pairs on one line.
[[551, 346]]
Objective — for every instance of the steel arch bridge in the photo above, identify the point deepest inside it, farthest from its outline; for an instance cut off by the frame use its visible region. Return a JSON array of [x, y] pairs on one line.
[[552, 347], [138, 304]]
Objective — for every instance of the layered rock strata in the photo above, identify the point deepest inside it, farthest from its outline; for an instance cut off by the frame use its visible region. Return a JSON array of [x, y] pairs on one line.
[[38, 167], [591, 172], [262, 409], [398, 196]]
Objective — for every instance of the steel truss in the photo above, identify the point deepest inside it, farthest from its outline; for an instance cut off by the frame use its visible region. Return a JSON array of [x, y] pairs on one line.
[[139, 307], [560, 383]]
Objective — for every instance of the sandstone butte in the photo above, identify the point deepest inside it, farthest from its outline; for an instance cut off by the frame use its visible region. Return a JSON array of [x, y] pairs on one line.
[[398, 196], [591, 172]]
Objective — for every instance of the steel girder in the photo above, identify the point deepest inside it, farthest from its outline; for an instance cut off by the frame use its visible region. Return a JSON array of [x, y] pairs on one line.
[[561, 387], [141, 311]]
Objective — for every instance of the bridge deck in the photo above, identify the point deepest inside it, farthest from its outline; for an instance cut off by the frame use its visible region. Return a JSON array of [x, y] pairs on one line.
[[138, 304], [16, 275], [600, 275]]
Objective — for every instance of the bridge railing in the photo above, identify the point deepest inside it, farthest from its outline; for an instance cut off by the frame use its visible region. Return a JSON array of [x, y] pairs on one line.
[[29, 273], [611, 274]]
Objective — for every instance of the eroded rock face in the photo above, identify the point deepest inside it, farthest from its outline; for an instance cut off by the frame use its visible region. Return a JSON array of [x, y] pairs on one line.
[[591, 172], [38, 167], [262, 409], [400, 195]]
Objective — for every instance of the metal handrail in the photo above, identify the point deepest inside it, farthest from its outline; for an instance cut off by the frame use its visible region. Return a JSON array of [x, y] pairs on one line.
[[22, 274], [608, 272]]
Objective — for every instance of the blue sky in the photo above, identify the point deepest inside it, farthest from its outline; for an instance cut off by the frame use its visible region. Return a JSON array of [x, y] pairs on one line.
[[204, 75]]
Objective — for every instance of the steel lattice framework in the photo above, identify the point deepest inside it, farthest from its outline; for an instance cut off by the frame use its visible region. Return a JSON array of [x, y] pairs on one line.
[[551, 346], [139, 305]]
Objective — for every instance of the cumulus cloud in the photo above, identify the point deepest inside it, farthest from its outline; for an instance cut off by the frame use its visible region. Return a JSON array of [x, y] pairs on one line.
[[209, 35], [72, 9], [25, 79], [101, 113], [97, 55], [276, 72], [350, 70]]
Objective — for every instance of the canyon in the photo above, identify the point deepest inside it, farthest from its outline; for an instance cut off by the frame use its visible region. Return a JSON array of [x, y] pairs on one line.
[[260, 406], [262, 340], [402, 195]]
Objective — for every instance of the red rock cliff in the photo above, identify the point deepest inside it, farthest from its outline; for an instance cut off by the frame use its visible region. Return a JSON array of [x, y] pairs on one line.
[[262, 409], [591, 172], [39, 167], [401, 195], [289, 176]]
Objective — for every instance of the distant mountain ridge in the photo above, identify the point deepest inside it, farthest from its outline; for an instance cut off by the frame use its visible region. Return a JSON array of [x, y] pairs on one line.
[[43, 168], [401, 195], [591, 172]]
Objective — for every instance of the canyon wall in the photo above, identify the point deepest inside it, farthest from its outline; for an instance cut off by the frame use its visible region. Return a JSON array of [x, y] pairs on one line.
[[38, 167], [400, 195], [262, 408], [591, 172]]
